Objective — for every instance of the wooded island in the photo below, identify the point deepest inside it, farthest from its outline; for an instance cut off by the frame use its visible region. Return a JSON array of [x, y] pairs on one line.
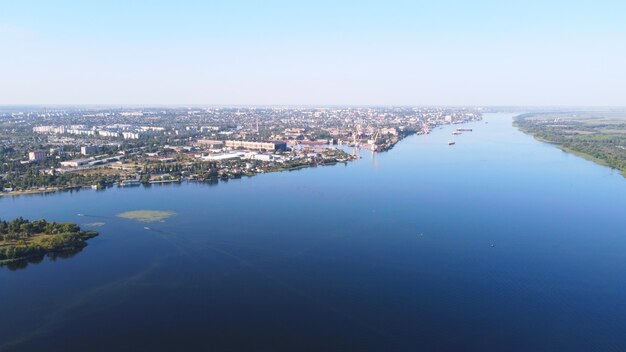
[[21, 239]]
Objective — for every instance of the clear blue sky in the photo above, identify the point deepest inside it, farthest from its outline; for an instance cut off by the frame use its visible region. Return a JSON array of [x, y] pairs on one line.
[[313, 52]]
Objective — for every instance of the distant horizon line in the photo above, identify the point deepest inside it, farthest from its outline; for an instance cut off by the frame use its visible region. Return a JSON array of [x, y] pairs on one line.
[[107, 105]]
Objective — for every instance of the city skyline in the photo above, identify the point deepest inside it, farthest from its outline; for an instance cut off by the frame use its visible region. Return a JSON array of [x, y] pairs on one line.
[[315, 53]]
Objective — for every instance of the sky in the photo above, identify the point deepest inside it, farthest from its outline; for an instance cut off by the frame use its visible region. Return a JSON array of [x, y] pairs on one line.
[[351, 52]]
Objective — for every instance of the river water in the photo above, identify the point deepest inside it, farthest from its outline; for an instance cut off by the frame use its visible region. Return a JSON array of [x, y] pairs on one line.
[[497, 243]]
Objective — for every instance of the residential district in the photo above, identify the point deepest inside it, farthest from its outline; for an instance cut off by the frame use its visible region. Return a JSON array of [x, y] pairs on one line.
[[51, 149]]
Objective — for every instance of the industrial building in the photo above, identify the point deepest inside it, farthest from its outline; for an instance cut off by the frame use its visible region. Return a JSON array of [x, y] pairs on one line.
[[268, 146]]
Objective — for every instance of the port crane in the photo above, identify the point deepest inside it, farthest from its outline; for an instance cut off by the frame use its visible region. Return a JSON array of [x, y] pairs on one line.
[[357, 134], [374, 141]]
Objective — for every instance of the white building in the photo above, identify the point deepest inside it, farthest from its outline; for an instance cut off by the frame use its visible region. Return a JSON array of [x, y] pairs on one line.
[[220, 157], [88, 149], [130, 135], [74, 163], [105, 133], [264, 157], [49, 129], [37, 155]]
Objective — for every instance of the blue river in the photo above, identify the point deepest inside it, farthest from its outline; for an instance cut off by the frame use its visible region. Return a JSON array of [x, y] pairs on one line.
[[497, 243]]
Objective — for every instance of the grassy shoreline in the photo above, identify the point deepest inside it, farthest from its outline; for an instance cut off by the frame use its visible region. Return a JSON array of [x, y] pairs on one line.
[[23, 240], [583, 137], [40, 251]]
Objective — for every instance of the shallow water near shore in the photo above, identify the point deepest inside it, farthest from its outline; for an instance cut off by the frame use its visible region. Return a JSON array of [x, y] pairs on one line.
[[499, 242]]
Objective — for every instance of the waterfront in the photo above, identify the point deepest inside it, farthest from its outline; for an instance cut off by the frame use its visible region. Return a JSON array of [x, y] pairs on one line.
[[499, 242]]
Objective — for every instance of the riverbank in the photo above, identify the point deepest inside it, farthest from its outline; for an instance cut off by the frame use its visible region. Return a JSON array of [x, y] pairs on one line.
[[31, 191], [231, 171], [43, 191], [598, 139]]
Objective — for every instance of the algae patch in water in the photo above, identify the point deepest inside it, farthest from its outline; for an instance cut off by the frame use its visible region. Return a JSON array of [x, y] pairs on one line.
[[147, 215]]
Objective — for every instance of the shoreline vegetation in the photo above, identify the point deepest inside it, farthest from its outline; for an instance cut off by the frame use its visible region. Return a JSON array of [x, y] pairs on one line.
[[22, 240], [595, 136], [210, 177]]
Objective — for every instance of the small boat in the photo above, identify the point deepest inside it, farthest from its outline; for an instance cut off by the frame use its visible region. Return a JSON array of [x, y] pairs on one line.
[[451, 143], [146, 228]]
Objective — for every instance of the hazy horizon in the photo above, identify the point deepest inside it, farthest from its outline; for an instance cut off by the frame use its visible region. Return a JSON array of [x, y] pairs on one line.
[[322, 53], [311, 106]]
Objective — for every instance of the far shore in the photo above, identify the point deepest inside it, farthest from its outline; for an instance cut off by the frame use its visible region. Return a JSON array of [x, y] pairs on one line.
[[38, 191]]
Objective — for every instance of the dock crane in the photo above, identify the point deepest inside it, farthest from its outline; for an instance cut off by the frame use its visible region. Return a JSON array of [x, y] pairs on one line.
[[357, 134]]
